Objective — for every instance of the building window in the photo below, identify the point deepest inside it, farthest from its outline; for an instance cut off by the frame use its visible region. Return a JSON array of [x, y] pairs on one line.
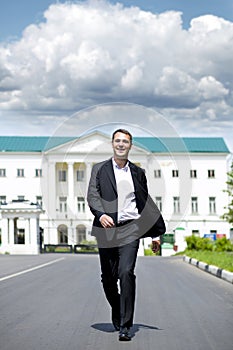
[[193, 174], [39, 201], [157, 173], [38, 172], [63, 204], [194, 205], [212, 205], [20, 172], [81, 204], [158, 202], [62, 175], [21, 198], [176, 205], [81, 233], [2, 172], [80, 175], [196, 233], [2, 199], [175, 173], [211, 174]]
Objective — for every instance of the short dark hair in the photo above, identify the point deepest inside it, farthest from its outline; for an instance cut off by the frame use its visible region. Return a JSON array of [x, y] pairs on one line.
[[123, 131]]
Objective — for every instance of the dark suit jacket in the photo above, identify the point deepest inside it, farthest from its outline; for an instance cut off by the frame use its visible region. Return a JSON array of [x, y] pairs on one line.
[[102, 199]]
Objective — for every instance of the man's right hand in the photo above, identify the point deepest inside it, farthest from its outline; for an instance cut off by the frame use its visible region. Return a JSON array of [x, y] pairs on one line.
[[106, 221], [155, 246]]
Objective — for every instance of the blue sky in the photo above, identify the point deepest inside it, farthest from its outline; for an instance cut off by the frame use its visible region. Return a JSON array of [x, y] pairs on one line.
[[94, 58], [15, 15]]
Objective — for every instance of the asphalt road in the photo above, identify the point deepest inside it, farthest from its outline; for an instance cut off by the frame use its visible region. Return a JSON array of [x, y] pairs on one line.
[[56, 302]]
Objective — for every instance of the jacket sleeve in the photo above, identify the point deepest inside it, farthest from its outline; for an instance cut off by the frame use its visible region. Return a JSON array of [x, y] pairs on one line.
[[93, 195]]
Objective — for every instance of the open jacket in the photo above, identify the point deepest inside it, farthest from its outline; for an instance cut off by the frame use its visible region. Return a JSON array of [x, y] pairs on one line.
[[102, 199]]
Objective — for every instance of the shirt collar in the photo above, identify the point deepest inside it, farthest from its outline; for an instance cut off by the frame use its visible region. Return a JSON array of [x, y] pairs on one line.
[[116, 166]]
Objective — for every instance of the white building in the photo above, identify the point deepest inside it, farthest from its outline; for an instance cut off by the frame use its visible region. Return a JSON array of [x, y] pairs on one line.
[[186, 178]]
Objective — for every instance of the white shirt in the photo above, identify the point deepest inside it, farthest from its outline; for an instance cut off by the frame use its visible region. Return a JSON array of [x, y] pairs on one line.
[[127, 209]]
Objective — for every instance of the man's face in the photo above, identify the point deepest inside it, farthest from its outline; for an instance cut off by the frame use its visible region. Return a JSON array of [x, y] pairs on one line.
[[121, 145]]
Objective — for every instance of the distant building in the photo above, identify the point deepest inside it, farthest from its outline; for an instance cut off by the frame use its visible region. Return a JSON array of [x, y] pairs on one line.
[[186, 178]]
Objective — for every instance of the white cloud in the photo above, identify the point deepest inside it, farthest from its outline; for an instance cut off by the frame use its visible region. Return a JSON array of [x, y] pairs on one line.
[[132, 78], [174, 82], [212, 89], [95, 52]]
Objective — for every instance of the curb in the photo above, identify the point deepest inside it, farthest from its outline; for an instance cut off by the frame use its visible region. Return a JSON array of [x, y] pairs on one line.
[[213, 270]]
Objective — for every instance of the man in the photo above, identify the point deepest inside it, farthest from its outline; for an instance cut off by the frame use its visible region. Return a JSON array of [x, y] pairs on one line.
[[123, 213]]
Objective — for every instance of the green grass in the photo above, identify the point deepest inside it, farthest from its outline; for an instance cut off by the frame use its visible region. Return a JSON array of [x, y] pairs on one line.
[[148, 252], [223, 260]]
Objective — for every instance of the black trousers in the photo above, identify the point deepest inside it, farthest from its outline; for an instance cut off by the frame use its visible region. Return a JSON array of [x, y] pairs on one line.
[[119, 263]]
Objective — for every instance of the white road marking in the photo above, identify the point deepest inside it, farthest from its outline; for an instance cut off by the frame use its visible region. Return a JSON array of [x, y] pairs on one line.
[[29, 270]]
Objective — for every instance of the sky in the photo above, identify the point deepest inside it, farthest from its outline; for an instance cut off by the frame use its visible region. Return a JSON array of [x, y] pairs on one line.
[[161, 67]]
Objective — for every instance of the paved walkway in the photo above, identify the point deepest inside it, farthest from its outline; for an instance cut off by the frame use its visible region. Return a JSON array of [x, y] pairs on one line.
[[56, 302]]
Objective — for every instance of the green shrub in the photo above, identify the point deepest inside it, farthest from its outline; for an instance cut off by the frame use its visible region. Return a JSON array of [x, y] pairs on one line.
[[223, 245], [204, 244], [191, 242], [84, 241], [148, 252], [51, 249], [198, 243], [88, 246]]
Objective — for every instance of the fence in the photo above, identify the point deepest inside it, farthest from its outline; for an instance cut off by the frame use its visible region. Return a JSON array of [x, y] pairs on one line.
[[68, 248]]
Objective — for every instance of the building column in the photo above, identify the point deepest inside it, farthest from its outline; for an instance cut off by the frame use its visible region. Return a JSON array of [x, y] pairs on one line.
[[88, 176], [51, 192], [71, 201], [71, 235], [5, 232], [34, 226], [27, 231], [11, 232]]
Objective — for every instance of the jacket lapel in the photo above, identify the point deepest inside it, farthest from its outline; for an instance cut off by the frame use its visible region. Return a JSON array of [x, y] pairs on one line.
[[110, 173], [134, 174]]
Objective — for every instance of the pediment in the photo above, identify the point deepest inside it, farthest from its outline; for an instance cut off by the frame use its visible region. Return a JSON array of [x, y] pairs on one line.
[[95, 142]]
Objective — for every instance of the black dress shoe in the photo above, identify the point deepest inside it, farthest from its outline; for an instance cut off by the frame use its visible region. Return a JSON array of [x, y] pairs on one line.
[[124, 334]]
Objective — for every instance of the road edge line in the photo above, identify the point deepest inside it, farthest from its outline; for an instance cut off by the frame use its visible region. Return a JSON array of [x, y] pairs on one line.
[[29, 270]]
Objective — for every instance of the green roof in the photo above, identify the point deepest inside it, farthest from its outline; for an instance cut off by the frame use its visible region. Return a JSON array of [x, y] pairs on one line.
[[152, 144], [183, 144], [31, 143]]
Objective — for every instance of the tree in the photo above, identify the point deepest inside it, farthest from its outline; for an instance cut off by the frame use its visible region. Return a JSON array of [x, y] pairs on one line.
[[228, 215]]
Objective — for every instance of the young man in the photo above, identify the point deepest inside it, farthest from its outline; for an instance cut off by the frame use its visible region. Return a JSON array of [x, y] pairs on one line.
[[123, 213]]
